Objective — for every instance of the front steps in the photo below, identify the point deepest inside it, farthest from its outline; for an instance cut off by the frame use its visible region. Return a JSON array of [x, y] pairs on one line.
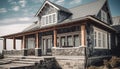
[[22, 62]]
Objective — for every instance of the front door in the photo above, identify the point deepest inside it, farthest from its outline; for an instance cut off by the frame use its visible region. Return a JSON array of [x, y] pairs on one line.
[[46, 46]]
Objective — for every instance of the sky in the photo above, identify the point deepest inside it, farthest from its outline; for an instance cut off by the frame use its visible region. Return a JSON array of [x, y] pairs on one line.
[[16, 15]]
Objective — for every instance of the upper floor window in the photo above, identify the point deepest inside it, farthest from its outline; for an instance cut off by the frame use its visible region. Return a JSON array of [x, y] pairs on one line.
[[49, 19], [103, 16]]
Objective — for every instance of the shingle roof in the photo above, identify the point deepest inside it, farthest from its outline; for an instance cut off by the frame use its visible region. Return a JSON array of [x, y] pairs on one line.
[[80, 11]]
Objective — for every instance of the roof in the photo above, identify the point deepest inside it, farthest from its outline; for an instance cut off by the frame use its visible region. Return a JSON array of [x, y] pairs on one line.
[[117, 27], [116, 20], [54, 5], [84, 10]]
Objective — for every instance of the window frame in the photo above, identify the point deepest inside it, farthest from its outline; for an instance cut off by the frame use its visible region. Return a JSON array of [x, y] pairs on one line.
[[97, 30], [46, 20]]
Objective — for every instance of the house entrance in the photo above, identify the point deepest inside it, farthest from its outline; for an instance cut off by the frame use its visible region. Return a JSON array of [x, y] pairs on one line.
[[46, 45]]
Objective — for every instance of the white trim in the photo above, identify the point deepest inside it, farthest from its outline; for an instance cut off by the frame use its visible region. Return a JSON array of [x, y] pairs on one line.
[[99, 38], [44, 5], [46, 18]]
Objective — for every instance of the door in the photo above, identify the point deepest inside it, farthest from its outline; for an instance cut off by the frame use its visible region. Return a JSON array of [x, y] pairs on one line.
[[47, 46]]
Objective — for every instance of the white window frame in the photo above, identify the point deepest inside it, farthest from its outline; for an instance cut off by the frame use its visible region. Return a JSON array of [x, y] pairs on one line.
[[104, 16], [97, 30], [45, 20]]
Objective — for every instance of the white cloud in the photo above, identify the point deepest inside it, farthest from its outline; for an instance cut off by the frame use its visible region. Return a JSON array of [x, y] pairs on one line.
[[16, 20], [3, 10], [16, 8], [75, 1], [22, 3], [60, 2]]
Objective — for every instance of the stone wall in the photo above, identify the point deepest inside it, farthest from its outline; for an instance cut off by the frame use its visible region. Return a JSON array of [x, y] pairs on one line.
[[71, 62], [70, 51], [12, 52]]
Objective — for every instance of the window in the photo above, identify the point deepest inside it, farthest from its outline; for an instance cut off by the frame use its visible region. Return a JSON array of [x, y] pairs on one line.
[[76, 40], [49, 19], [58, 40], [69, 41], [103, 16], [63, 41], [100, 38]]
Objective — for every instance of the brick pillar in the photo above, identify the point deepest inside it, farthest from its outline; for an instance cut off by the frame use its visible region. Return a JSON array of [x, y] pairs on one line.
[[14, 43], [4, 44], [55, 38], [83, 35]]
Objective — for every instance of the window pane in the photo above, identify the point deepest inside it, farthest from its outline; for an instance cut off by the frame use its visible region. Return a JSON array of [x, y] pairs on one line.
[[95, 39], [58, 42], [76, 41], [69, 41], [54, 18], [63, 41], [99, 39]]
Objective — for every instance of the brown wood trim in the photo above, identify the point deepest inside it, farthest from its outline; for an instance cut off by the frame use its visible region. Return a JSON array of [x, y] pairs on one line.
[[4, 44], [55, 38], [37, 40], [14, 43], [24, 42], [83, 35]]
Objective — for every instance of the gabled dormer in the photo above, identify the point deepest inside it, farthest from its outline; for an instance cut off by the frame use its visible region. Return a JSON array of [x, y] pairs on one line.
[[105, 14], [51, 13]]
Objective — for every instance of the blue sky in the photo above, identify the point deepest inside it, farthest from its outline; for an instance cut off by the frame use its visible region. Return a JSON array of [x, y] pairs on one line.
[[15, 15]]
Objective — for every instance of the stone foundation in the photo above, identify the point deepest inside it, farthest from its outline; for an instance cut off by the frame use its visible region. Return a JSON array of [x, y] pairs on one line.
[[71, 62], [12, 52], [69, 51]]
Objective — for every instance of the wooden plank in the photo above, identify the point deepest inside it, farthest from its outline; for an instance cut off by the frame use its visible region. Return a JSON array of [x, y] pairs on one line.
[[24, 43]]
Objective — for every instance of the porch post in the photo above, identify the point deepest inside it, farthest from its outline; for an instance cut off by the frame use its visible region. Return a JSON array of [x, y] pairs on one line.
[[24, 50], [4, 44], [37, 49], [37, 41], [83, 35], [55, 38], [14, 43], [23, 43]]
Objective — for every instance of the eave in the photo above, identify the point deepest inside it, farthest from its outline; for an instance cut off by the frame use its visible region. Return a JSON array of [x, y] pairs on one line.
[[60, 25]]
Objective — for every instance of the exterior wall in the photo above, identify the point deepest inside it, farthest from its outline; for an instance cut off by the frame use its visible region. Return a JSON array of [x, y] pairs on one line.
[[73, 51]]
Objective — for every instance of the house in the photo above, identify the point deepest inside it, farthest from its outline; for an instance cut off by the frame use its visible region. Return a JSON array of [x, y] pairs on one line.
[[84, 31]]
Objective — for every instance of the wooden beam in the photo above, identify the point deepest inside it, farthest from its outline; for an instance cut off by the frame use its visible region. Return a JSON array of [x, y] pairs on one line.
[[23, 43], [83, 35], [14, 43], [55, 38], [37, 40], [4, 44]]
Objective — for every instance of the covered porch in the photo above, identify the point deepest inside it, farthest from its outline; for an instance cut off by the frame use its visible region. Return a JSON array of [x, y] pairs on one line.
[[65, 39]]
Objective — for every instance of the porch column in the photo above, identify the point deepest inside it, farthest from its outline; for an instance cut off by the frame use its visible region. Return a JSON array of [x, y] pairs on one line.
[[83, 35], [55, 38], [37, 48], [24, 50], [23, 43], [14, 43], [37, 41], [4, 44]]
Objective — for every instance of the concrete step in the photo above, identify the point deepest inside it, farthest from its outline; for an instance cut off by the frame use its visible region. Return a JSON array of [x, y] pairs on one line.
[[16, 66], [23, 62], [31, 60]]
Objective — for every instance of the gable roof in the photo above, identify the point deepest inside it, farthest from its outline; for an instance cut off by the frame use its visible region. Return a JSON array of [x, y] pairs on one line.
[[58, 7], [92, 8]]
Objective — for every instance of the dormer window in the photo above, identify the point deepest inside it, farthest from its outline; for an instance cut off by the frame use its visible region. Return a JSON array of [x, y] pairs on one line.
[[103, 16], [49, 19]]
